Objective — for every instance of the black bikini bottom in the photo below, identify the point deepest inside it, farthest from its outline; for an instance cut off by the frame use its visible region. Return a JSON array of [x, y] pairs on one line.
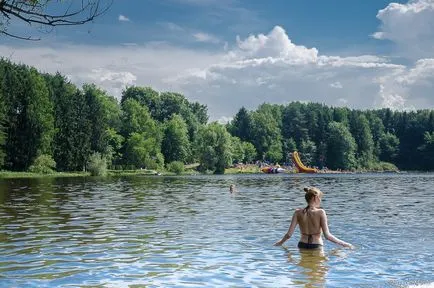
[[303, 245]]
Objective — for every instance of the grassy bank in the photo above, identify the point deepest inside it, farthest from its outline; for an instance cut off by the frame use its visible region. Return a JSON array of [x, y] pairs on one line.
[[140, 172], [10, 174], [190, 170]]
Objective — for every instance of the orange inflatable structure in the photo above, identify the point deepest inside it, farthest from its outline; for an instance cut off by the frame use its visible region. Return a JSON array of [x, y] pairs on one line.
[[300, 166]]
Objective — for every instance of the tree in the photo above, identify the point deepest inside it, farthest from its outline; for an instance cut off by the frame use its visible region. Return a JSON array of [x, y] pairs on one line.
[[308, 150], [143, 151], [266, 136], [428, 151], [294, 124], [42, 13], [73, 125], [2, 129], [104, 119], [341, 147], [274, 153], [364, 140], [29, 115], [250, 153], [288, 147], [143, 136], [389, 147], [241, 125], [237, 150], [176, 145], [145, 96], [213, 147]]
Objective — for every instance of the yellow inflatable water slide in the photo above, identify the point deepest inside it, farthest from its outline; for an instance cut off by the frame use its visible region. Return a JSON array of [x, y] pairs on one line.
[[301, 168]]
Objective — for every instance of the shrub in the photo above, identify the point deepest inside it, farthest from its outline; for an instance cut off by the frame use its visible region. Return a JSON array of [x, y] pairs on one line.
[[97, 165], [176, 167], [43, 164]]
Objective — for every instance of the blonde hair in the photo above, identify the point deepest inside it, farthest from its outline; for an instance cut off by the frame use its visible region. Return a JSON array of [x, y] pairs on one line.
[[311, 192]]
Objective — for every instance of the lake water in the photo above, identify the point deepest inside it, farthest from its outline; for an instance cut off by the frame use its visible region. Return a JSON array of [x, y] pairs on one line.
[[191, 232]]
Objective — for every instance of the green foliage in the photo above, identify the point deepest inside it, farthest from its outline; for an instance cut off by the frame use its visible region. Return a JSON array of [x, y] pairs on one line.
[[103, 114], [176, 167], [294, 124], [176, 143], [389, 147], [241, 125], [237, 150], [2, 143], [341, 147], [289, 146], [143, 137], [97, 164], [2, 128], [427, 149], [362, 135], [308, 150], [250, 153], [115, 142], [47, 115], [143, 151], [384, 167], [43, 164], [274, 153], [267, 135], [213, 147], [28, 114]]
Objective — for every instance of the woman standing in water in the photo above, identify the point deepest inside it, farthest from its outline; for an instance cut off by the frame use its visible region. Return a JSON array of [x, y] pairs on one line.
[[312, 221]]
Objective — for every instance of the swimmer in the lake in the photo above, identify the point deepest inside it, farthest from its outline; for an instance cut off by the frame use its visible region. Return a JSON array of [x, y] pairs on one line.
[[232, 188], [312, 221]]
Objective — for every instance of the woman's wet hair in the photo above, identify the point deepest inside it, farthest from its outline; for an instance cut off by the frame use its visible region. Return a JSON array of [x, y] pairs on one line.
[[311, 192]]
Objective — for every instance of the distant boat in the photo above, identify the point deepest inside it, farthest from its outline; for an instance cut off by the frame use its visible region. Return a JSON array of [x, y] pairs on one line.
[[272, 170]]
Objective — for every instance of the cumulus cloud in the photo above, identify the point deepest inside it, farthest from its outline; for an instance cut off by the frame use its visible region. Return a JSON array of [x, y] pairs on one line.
[[271, 68], [266, 67], [410, 26], [123, 18], [113, 68]]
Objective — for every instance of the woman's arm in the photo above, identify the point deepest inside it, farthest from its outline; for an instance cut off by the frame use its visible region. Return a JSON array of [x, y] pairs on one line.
[[328, 235], [290, 230]]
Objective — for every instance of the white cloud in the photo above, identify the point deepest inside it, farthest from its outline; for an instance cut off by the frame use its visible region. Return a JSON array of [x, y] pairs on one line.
[[274, 45], [205, 37], [336, 85], [410, 26], [258, 68], [112, 68], [390, 100], [123, 18], [271, 68]]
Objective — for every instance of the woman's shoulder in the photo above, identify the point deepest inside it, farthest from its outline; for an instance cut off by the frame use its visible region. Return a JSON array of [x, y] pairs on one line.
[[320, 211]]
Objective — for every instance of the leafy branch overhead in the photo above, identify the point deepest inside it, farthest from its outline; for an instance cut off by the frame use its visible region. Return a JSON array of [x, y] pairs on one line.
[[48, 13]]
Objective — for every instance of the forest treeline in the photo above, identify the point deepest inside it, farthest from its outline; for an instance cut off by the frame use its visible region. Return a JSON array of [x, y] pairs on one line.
[[46, 122]]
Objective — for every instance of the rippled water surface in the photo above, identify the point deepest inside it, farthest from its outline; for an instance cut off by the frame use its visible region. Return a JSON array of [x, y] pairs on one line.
[[191, 232]]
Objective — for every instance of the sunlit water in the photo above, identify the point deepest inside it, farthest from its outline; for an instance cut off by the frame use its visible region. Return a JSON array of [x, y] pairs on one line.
[[191, 232]]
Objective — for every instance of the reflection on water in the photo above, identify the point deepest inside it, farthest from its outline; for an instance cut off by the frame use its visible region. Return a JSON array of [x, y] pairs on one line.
[[191, 232], [313, 264]]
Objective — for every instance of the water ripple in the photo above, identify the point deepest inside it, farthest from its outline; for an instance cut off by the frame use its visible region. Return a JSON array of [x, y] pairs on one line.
[[191, 232]]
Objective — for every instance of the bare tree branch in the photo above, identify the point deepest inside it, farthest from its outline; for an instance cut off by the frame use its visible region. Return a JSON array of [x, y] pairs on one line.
[[38, 12]]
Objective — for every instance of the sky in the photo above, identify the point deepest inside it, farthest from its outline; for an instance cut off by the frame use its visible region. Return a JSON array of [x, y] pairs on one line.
[[363, 54]]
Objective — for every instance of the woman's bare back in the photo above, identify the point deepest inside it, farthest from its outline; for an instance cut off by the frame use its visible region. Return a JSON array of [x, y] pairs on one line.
[[309, 221]]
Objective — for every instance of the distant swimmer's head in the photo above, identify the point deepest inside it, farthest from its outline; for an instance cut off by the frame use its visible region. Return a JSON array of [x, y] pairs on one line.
[[232, 188], [312, 194]]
